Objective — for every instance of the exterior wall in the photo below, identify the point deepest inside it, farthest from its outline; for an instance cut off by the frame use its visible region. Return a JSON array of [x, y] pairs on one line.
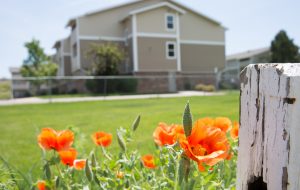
[[67, 65], [154, 21], [107, 23], [152, 55], [195, 27], [67, 45], [202, 58], [86, 63]]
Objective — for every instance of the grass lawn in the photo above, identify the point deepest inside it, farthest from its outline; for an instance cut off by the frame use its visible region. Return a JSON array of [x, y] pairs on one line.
[[20, 124], [5, 90]]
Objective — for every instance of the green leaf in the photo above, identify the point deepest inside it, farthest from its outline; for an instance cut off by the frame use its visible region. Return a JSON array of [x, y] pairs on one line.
[[121, 141], [57, 182], [136, 123], [47, 171], [94, 161], [88, 172], [192, 184], [187, 120], [184, 169]]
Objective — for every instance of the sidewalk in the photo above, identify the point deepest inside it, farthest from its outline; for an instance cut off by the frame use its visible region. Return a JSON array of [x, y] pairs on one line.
[[35, 100]]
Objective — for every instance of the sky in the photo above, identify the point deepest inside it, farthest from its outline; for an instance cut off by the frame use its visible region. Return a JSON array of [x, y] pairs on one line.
[[251, 24]]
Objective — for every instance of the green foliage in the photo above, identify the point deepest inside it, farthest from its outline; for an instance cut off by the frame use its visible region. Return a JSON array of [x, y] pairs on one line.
[[37, 64], [105, 59], [284, 50], [6, 179], [5, 91], [19, 123], [112, 86]]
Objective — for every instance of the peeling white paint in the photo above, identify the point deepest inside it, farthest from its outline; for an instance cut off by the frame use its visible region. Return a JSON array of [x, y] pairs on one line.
[[269, 136]]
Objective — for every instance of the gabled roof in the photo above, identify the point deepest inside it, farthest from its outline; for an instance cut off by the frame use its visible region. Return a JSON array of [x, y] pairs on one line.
[[248, 54], [158, 5], [71, 21]]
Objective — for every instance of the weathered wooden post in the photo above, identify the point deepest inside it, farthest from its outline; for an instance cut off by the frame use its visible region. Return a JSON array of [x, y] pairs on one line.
[[269, 136]]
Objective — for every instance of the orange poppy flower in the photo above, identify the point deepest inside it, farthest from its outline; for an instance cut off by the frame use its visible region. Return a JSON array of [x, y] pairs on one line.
[[47, 139], [50, 139], [148, 161], [102, 138], [79, 164], [120, 174], [223, 123], [207, 121], [167, 134], [234, 133], [41, 185], [67, 157], [206, 145], [65, 139]]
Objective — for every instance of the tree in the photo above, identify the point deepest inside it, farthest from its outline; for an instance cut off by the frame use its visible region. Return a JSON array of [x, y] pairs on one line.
[[283, 49], [105, 58], [37, 64]]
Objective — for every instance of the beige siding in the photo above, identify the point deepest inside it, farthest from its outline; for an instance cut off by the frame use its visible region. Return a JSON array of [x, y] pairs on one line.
[[152, 55], [86, 62], [108, 23], [67, 64], [154, 21], [195, 27], [67, 45], [202, 58]]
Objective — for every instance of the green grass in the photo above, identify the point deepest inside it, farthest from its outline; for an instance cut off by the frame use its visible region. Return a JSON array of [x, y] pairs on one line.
[[20, 124], [5, 90]]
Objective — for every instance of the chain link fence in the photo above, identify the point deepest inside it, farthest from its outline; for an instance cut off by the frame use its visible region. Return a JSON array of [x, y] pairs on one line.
[[111, 85]]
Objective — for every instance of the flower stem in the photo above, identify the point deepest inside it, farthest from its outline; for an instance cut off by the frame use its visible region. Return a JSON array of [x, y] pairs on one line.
[[177, 173]]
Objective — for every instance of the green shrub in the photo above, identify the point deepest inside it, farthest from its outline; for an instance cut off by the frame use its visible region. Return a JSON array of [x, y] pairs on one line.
[[205, 88], [5, 90], [112, 86]]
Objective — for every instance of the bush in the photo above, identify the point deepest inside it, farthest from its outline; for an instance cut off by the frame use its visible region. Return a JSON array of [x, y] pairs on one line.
[[226, 85], [112, 86], [205, 88]]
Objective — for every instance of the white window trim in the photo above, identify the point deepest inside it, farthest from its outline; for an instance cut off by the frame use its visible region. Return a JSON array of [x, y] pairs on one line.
[[166, 22], [167, 50]]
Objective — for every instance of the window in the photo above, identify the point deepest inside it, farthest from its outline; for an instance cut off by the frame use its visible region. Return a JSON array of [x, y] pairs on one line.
[[74, 50], [171, 50], [170, 20]]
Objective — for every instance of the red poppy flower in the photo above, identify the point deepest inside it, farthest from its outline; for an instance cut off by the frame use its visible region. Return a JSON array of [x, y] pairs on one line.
[[50, 139], [206, 145], [167, 134], [47, 139], [65, 139], [79, 164], [41, 185], [67, 157], [102, 138], [148, 161]]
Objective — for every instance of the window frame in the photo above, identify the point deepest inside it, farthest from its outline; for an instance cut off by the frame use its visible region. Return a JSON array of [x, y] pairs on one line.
[[168, 50], [167, 21]]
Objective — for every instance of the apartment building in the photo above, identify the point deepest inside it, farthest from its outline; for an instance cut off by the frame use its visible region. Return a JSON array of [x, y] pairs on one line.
[[158, 36]]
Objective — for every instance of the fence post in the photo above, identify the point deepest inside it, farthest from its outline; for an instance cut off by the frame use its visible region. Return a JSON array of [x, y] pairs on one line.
[[269, 137], [50, 90]]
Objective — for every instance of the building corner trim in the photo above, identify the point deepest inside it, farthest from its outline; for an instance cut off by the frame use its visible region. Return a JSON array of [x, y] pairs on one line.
[[135, 44], [178, 42]]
